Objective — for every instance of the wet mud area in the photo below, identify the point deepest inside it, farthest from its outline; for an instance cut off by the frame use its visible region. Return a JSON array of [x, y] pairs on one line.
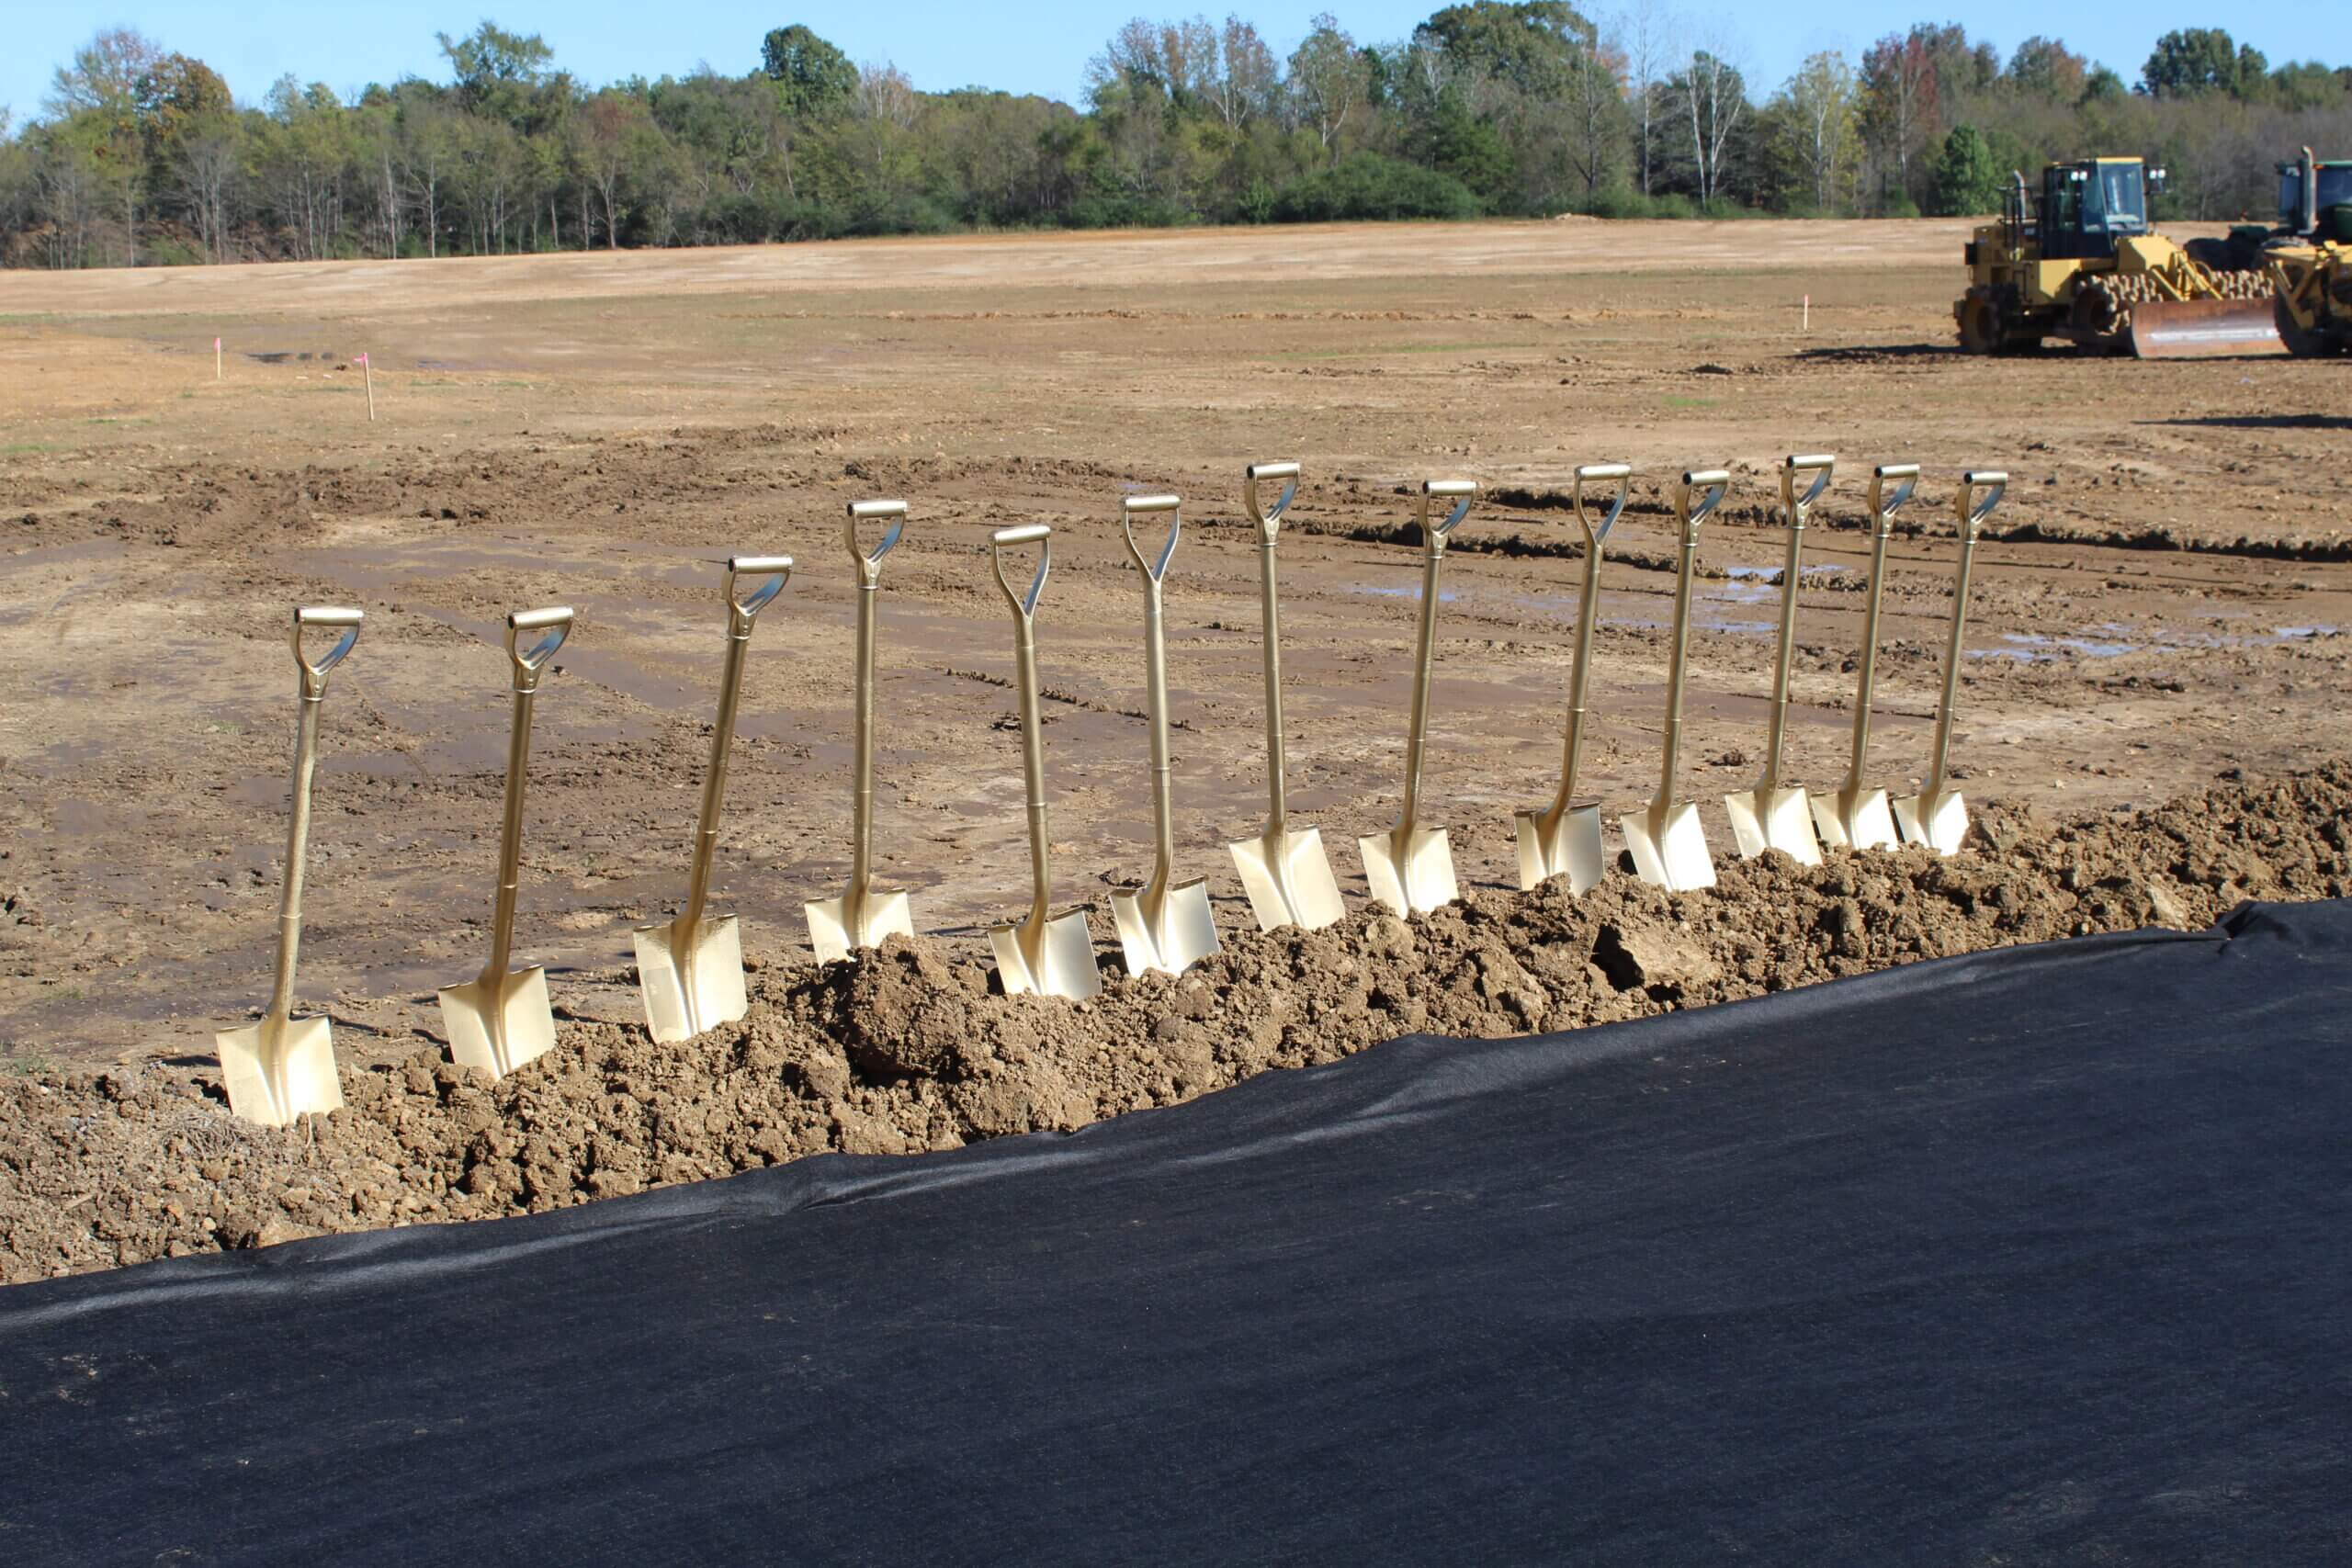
[[2159, 610]]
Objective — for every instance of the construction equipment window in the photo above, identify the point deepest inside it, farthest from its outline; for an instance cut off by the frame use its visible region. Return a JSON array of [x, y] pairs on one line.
[[2120, 198]]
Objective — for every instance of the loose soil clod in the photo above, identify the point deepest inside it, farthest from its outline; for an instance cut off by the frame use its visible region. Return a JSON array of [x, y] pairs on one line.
[[911, 1052]]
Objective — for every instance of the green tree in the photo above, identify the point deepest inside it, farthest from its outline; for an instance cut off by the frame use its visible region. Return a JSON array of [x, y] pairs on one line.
[[1968, 176], [812, 78], [2192, 61]]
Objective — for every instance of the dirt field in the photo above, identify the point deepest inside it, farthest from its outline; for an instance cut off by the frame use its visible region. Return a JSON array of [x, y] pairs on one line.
[[2161, 604]]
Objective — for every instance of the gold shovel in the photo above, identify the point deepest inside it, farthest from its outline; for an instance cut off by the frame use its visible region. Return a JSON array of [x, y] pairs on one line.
[[500, 1020], [690, 970], [1936, 816], [1857, 817], [1410, 868], [1163, 925], [1046, 953], [1286, 875], [1564, 840], [860, 917], [283, 1067], [1774, 816], [1668, 842]]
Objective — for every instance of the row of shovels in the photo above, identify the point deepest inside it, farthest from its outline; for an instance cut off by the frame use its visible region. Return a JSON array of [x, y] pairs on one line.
[[690, 969]]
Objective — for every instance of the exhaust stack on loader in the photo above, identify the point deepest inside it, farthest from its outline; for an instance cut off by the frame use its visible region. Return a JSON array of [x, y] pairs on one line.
[[1287, 874], [284, 1066], [500, 1020], [1564, 839], [1936, 816], [1774, 816], [1856, 816], [1411, 869], [1165, 924], [860, 917], [1047, 953], [690, 970], [1669, 843]]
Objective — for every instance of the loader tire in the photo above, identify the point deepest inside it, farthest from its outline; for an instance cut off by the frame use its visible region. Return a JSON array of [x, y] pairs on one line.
[[1980, 326]]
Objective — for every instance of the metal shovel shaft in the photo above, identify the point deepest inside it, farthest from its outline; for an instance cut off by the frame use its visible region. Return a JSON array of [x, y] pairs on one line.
[[1970, 517], [714, 782], [1033, 773], [312, 690], [1424, 656], [1882, 511], [1163, 820], [1687, 520], [1794, 507], [527, 665], [1270, 615]]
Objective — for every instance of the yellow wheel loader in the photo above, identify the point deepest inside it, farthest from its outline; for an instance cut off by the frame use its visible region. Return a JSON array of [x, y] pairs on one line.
[[2309, 258], [2078, 262]]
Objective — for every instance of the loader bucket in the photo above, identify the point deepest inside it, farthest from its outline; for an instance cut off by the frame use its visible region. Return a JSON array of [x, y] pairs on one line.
[[2203, 329]]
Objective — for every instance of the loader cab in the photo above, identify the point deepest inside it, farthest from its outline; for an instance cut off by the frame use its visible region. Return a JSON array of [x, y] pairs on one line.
[[2088, 206]]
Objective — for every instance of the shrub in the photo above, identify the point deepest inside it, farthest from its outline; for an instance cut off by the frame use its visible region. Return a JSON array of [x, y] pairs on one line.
[[1366, 184]]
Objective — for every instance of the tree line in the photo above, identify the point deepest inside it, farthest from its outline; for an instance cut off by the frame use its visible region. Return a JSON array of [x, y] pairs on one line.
[[140, 155]]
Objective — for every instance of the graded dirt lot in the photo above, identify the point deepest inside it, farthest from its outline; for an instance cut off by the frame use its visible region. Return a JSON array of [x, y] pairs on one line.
[[2159, 606]]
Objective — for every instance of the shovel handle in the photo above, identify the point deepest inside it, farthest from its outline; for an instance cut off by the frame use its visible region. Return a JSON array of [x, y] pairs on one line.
[[1461, 492], [869, 563], [1883, 506], [1267, 519], [1621, 475], [553, 624], [314, 671], [1173, 505], [1711, 485], [1972, 510], [767, 574], [1039, 534], [1821, 465]]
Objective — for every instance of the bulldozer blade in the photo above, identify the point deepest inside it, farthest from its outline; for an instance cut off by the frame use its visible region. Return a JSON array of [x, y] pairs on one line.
[[1774, 820], [1941, 822], [883, 915], [1062, 964], [2204, 329], [1572, 848], [277, 1070], [499, 1022], [1184, 935], [1862, 822], [1670, 847], [1289, 880], [1415, 882], [690, 985]]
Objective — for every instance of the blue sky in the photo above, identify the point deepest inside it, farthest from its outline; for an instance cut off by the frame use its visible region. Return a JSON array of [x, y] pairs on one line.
[[1040, 47]]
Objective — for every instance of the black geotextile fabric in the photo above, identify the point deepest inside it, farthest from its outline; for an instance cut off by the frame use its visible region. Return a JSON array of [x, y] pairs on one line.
[[2040, 1256]]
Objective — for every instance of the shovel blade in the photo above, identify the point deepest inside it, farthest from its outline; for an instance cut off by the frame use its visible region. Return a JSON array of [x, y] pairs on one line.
[[1939, 822], [1572, 848], [1670, 848], [276, 1072], [1062, 964], [1417, 882], [1774, 820], [1859, 821], [880, 915], [1184, 935], [1289, 880], [689, 987], [499, 1022]]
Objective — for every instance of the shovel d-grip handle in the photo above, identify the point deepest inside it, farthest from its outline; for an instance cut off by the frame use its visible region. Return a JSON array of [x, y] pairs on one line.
[[1619, 474], [1968, 511], [335, 618], [1884, 503], [1796, 470], [768, 575], [1038, 533], [869, 561], [1461, 492], [1269, 519], [1129, 507], [553, 624], [1710, 485]]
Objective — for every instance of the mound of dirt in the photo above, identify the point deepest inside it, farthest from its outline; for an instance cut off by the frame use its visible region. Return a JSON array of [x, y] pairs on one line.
[[911, 1051]]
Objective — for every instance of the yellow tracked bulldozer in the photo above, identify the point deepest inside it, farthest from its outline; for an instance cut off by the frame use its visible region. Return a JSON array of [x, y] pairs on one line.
[[2078, 262]]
